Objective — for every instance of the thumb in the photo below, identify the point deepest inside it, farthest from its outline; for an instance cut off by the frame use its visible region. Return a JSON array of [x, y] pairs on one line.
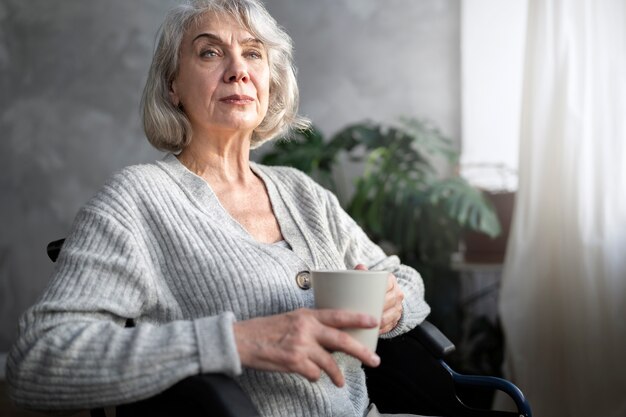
[[360, 267]]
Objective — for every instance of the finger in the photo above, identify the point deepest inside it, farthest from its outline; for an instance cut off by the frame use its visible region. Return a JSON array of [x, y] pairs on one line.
[[391, 318], [392, 311], [360, 267], [387, 327], [324, 361], [390, 300], [391, 282], [309, 369], [386, 322], [336, 340], [341, 319], [394, 291]]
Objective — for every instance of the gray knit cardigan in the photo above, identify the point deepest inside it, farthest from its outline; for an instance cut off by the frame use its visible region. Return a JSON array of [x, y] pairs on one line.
[[155, 245]]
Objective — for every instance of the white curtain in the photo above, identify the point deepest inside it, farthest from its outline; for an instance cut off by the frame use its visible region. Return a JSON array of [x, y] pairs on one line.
[[563, 295]]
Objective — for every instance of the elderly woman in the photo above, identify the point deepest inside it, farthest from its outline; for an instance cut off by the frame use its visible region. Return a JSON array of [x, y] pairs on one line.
[[205, 251]]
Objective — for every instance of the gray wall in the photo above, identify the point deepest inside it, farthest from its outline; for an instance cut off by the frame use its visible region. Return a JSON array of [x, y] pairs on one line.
[[375, 59], [71, 74]]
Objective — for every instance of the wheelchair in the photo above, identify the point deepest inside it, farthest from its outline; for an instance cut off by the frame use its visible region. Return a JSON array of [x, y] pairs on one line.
[[413, 378]]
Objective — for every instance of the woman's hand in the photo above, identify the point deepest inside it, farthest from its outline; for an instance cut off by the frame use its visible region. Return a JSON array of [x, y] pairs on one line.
[[301, 341], [392, 311]]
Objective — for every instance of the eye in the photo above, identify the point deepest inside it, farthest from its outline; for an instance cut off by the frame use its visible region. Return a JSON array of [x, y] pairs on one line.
[[254, 54], [209, 53]]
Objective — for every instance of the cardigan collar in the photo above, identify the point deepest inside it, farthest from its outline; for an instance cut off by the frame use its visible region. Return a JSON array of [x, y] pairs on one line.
[[200, 191]]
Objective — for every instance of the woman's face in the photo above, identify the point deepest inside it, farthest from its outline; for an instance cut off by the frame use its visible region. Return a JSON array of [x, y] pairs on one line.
[[223, 77]]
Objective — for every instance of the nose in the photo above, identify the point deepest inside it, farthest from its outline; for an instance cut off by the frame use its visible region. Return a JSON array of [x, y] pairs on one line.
[[237, 71]]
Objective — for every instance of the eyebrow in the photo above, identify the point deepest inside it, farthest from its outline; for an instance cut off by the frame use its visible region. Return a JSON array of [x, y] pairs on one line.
[[217, 39]]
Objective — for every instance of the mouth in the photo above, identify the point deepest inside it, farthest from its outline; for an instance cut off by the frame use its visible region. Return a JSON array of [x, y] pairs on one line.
[[237, 99]]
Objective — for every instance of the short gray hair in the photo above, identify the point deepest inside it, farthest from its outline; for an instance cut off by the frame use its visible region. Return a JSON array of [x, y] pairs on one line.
[[166, 125]]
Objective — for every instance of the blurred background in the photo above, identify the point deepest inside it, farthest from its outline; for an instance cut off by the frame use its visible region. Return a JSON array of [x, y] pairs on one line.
[[71, 77], [72, 73]]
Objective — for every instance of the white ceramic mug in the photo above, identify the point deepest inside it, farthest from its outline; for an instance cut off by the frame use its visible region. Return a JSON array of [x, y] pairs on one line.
[[353, 290]]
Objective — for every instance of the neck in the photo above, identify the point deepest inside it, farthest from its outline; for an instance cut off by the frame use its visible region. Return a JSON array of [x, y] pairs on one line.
[[219, 159]]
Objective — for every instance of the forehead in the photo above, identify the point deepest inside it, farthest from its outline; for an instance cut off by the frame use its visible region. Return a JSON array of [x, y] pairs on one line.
[[223, 25]]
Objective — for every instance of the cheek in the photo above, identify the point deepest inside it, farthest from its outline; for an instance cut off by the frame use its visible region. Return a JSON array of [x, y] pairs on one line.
[[200, 84], [265, 96], [263, 84]]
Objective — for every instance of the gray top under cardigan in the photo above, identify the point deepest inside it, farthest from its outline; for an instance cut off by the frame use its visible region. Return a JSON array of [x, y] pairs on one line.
[[155, 245]]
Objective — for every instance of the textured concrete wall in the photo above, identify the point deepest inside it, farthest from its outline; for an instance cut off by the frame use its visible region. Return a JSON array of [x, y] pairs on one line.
[[361, 59], [71, 74]]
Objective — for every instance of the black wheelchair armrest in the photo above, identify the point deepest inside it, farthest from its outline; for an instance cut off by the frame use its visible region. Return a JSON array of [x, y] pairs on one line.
[[433, 340], [195, 396], [54, 248]]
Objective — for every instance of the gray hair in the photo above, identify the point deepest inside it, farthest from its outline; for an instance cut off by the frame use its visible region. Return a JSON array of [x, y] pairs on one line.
[[166, 125]]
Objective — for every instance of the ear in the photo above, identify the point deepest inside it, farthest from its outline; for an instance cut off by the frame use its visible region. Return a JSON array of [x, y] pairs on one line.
[[174, 98]]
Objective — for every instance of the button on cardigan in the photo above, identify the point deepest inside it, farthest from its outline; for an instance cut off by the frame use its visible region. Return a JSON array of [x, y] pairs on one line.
[[155, 245]]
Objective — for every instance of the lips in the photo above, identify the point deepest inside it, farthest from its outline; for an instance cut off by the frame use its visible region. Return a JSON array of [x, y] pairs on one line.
[[237, 99]]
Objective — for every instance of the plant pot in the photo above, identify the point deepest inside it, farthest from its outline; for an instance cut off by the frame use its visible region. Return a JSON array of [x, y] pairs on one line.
[[480, 248]]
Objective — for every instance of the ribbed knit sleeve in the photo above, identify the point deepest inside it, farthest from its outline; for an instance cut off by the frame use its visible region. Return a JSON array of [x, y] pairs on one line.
[[73, 351]]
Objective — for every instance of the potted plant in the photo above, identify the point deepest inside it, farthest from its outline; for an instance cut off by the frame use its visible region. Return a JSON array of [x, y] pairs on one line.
[[409, 193]]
